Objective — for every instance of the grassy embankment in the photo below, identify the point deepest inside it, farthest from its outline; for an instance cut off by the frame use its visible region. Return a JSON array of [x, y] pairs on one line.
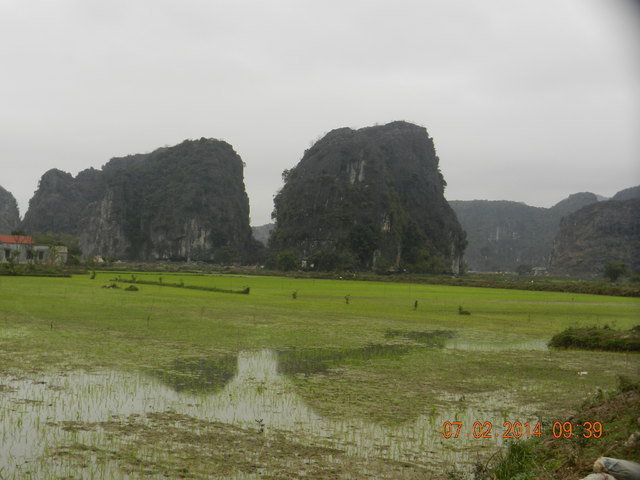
[[590, 285], [570, 454]]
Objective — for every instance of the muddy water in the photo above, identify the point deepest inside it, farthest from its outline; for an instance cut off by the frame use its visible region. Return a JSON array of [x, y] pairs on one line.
[[33, 413], [486, 345]]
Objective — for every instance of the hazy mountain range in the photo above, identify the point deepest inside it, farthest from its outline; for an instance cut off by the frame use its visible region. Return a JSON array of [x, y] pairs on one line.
[[359, 199]]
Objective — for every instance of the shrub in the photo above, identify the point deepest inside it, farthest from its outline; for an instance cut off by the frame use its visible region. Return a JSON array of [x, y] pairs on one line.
[[518, 463], [596, 338], [614, 270]]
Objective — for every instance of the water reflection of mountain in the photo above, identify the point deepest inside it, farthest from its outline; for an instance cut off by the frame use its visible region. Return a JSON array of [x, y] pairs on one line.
[[209, 375], [255, 397], [260, 396], [198, 374]]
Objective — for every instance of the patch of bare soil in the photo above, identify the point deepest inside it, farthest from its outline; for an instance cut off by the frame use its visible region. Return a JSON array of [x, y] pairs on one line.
[[178, 446]]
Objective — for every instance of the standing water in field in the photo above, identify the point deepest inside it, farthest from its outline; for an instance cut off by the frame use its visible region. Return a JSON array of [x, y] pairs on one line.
[[78, 423]]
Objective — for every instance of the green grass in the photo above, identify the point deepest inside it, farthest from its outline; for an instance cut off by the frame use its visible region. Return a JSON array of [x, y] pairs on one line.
[[270, 317], [66, 323]]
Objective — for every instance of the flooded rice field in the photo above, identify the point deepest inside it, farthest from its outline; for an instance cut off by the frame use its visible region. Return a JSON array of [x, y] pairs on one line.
[[245, 420], [169, 382]]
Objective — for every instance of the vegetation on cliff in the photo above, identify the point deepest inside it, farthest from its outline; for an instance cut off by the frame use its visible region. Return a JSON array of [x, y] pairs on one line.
[[367, 199], [9, 215]]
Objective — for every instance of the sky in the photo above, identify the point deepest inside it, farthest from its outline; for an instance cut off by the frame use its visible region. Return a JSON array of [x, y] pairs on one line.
[[525, 101]]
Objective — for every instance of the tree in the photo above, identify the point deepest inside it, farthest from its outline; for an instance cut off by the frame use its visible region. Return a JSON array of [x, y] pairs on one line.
[[57, 240], [614, 270], [288, 261], [333, 261], [524, 269], [12, 260], [363, 241]]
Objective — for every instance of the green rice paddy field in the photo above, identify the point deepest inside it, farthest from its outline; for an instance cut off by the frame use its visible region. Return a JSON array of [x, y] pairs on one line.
[[346, 380]]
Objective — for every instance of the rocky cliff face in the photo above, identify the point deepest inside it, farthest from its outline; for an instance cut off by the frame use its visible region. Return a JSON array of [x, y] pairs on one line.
[[604, 232], [369, 198], [503, 235], [9, 215], [185, 202]]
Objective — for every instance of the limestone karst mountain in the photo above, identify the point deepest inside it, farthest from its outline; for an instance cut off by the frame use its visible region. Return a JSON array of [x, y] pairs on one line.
[[369, 198], [186, 202]]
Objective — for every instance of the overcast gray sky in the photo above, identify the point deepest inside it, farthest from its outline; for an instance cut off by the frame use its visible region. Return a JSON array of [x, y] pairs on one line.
[[526, 100]]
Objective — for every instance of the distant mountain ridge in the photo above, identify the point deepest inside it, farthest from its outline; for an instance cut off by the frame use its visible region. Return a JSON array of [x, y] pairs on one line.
[[627, 193], [262, 233], [186, 202], [502, 235], [598, 234]]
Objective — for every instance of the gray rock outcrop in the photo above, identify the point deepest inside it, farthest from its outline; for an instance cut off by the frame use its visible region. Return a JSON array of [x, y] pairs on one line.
[[9, 214]]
